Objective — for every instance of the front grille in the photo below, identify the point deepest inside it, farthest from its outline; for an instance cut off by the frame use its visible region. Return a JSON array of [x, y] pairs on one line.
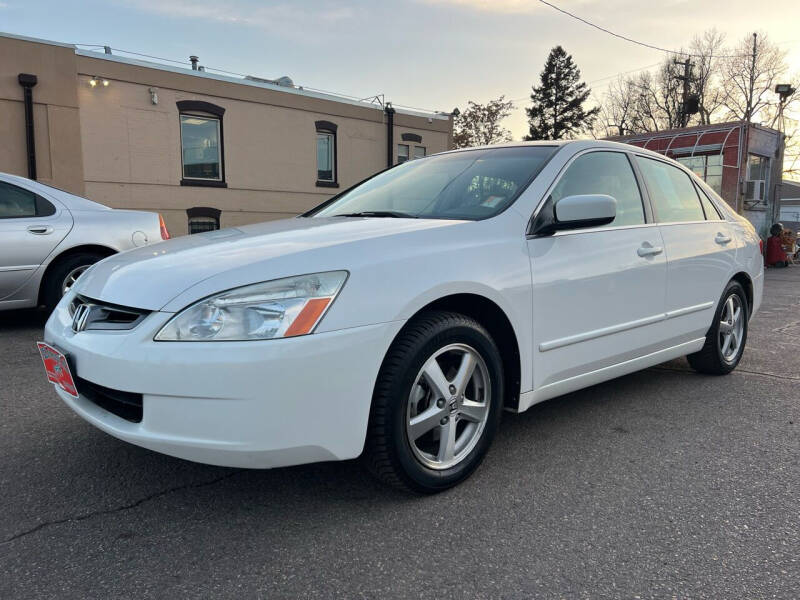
[[103, 315], [126, 405]]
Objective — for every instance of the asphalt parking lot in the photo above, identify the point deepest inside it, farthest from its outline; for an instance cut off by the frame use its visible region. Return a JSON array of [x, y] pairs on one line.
[[664, 483]]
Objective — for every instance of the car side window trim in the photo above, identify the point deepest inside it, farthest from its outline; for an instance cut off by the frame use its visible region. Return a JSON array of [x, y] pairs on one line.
[[711, 202], [648, 214], [697, 190], [43, 207]]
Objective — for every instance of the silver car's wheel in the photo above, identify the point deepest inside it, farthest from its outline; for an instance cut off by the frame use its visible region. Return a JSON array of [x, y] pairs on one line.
[[62, 274], [448, 406], [72, 277], [731, 328]]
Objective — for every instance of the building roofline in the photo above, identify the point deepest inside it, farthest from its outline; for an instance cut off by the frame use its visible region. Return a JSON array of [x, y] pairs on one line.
[[35, 40], [227, 78]]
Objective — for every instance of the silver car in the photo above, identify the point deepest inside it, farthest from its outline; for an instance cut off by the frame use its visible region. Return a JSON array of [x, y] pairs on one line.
[[48, 237]]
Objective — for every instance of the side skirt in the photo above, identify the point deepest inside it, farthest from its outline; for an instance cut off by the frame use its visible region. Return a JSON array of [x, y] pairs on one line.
[[528, 399]]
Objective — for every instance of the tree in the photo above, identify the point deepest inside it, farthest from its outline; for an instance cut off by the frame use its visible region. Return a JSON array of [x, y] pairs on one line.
[[479, 124], [653, 101], [618, 109], [707, 49], [557, 109], [749, 74]]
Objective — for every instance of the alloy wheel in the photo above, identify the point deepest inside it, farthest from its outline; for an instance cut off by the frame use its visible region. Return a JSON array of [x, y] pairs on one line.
[[71, 278], [731, 328], [448, 406]]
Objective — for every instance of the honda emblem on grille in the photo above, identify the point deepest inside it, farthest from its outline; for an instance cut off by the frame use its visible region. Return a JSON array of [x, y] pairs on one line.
[[81, 317]]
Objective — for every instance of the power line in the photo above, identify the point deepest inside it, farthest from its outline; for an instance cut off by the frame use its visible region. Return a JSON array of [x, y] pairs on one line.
[[601, 79], [631, 40]]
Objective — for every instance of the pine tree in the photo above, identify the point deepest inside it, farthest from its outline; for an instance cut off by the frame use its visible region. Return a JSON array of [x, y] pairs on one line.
[[557, 103]]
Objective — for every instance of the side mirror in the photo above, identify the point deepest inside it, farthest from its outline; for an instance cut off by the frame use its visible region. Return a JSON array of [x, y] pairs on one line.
[[575, 212]]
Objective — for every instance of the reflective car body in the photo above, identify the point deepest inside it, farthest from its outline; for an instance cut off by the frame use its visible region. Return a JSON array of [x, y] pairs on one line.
[[581, 306], [64, 224]]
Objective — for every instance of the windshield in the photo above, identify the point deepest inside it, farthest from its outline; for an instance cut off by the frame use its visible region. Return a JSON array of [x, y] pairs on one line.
[[473, 185]]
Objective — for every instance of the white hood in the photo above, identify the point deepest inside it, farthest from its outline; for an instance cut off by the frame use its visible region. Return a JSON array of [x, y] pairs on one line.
[[206, 263]]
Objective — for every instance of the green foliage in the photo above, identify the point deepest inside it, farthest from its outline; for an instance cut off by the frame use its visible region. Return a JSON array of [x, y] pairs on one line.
[[557, 102], [479, 124]]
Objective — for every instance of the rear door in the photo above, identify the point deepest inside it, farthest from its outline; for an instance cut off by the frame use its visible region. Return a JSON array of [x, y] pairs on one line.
[[598, 294], [30, 228], [699, 244]]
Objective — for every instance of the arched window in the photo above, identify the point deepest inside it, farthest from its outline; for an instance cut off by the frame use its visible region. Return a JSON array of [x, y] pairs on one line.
[[404, 151], [203, 218]]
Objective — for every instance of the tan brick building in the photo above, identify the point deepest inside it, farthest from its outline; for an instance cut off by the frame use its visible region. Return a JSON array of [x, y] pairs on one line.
[[135, 134]]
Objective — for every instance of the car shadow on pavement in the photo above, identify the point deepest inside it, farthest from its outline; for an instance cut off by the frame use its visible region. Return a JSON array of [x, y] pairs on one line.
[[22, 319]]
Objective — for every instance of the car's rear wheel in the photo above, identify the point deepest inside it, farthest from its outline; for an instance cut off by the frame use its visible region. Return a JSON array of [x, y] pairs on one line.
[[437, 403], [63, 275], [726, 339]]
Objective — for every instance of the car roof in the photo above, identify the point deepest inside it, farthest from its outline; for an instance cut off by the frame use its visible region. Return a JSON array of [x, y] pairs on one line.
[[71, 201], [577, 145]]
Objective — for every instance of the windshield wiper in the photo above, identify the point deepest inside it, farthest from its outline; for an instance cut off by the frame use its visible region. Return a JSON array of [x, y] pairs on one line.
[[379, 213]]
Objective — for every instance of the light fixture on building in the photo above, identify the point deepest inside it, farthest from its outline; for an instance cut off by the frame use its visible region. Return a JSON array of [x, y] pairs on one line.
[[95, 80], [153, 94]]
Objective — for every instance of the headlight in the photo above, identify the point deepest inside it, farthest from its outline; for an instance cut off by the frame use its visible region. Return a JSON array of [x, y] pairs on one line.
[[262, 311]]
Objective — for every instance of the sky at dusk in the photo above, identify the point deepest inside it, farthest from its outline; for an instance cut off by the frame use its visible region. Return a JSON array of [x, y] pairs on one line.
[[431, 54]]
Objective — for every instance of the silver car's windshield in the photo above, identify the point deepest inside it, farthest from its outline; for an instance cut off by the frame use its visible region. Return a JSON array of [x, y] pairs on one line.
[[473, 185]]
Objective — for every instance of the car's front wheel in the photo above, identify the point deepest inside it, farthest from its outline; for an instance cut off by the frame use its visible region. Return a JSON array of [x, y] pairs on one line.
[[727, 336], [437, 403]]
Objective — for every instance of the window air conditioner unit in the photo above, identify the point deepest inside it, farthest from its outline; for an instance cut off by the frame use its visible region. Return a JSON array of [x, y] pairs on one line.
[[755, 190]]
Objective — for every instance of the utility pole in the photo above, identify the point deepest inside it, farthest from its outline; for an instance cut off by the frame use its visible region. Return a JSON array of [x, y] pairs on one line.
[[687, 70], [751, 90], [744, 131]]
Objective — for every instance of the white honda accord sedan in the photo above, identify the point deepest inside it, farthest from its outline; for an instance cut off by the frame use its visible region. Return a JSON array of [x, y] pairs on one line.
[[400, 318]]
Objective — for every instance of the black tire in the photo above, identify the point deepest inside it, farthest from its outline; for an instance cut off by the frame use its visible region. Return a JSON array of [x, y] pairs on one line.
[[710, 359], [52, 285], [388, 453]]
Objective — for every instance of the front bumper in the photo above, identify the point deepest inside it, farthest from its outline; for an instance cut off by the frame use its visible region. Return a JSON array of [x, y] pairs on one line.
[[257, 404]]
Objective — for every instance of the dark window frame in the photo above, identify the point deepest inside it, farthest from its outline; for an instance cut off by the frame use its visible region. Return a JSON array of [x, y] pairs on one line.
[[200, 108], [411, 137], [329, 128]]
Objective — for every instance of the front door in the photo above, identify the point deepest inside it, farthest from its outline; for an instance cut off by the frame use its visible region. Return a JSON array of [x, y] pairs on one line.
[[598, 294], [30, 229]]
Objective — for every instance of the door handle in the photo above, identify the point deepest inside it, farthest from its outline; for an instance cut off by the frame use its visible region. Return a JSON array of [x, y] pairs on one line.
[[40, 229], [649, 250], [722, 238]]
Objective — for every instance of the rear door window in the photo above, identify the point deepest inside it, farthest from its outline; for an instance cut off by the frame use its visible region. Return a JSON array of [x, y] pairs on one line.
[[672, 192], [15, 202], [608, 173]]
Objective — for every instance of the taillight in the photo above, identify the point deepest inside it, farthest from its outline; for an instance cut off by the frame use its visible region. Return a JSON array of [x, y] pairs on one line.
[[163, 227], [761, 246]]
